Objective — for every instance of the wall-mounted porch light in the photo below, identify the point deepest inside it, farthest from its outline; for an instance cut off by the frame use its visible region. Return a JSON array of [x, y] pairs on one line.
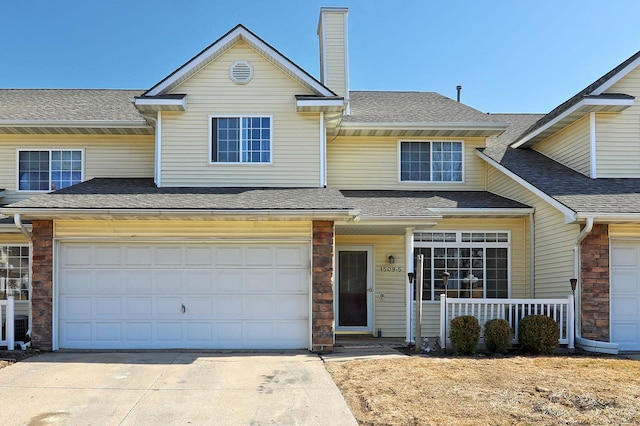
[[391, 259], [411, 276]]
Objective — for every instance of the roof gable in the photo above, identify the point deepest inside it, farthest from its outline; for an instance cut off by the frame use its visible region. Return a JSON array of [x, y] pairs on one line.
[[224, 43], [590, 99]]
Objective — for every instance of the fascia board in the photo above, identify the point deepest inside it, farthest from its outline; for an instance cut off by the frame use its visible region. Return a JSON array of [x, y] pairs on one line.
[[610, 217], [499, 127], [525, 211], [161, 102], [614, 79], [569, 214], [108, 124], [556, 120]]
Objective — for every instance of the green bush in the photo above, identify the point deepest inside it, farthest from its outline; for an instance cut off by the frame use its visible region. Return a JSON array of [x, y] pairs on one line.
[[465, 334], [497, 336], [538, 334]]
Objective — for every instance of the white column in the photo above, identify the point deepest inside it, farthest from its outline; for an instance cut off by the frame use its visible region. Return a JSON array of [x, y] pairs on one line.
[[408, 255]]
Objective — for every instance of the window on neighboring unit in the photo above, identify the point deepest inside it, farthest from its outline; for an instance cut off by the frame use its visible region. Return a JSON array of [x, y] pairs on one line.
[[14, 272], [478, 264], [241, 139], [48, 170], [436, 161]]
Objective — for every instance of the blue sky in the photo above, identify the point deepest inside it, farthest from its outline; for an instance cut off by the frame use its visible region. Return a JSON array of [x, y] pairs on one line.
[[509, 55]]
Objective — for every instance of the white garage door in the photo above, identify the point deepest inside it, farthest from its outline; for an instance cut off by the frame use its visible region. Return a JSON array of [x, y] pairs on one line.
[[157, 296], [625, 294]]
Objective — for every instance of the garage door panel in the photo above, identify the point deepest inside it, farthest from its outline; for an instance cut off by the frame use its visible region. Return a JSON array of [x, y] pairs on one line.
[[235, 296], [138, 281], [138, 256], [109, 306], [139, 306], [229, 281], [138, 331], [625, 294], [76, 281], [107, 281], [229, 257]]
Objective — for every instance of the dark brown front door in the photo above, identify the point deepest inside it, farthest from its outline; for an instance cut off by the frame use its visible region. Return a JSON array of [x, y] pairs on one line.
[[352, 288]]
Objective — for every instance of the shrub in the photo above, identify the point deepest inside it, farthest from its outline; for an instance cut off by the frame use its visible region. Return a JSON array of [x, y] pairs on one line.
[[538, 334], [497, 336], [465, 334]]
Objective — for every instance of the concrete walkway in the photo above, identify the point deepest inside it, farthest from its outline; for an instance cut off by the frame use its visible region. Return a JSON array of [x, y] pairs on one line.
[[151, 388]]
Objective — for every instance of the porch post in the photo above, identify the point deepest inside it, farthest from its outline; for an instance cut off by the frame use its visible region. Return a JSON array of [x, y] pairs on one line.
[[571, 322], [9, 323], [408, 255]]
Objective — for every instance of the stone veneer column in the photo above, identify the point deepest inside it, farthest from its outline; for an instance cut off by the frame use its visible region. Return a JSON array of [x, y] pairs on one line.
[[42, 284], [322, 315], [594, 254]]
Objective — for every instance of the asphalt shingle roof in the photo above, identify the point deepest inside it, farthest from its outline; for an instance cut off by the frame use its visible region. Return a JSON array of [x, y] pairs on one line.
[[418, 203], [137, 193], [68, 104], [578, 192], [411, 107]]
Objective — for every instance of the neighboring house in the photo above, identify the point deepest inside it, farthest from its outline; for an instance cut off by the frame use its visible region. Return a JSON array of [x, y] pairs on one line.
[[242, 204]]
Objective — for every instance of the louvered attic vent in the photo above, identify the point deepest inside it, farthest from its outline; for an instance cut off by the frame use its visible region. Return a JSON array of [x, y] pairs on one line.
[[241, 72]]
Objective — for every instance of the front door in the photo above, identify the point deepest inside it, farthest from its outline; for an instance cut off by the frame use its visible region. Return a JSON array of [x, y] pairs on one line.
[[354, 288]]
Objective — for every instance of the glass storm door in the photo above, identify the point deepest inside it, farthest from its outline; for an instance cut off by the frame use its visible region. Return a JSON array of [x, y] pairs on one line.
[[354, 290]]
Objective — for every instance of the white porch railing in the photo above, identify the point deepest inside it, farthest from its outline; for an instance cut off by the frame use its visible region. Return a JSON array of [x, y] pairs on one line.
[[512, 310], [7, 337]]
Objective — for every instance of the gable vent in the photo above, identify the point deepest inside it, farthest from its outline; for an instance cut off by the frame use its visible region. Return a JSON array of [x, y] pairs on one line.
[[241, 72]]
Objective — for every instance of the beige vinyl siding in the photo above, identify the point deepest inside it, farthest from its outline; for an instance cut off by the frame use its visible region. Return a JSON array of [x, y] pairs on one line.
[[618, 134], [570, 146], [624, 231], [295, 136], [372, 163], [390, 311], [554, 239], [8, 238], [334, 55], [104, 156], [176, 229]]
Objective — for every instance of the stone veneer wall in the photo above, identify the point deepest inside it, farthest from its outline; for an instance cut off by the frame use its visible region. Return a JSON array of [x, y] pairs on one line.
[[322, 315], [595, 284], [42, 285]]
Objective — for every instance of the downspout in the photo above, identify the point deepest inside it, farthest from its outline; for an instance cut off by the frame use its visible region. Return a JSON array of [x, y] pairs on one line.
[[532, 259], [586, 344], [18, 222]]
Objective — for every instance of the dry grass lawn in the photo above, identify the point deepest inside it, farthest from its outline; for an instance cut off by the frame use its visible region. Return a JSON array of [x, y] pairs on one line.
[[571, 390]]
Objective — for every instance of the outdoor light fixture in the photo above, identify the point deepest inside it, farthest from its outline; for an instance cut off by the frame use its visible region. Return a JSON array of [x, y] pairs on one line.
[[411, 276], [574, 282], [445, 278], [391, 259]]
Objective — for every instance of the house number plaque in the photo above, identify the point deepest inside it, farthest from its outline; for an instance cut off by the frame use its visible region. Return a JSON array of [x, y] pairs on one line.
[[390, 269]]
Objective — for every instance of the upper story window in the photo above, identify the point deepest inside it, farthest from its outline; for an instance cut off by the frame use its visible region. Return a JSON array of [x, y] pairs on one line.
[[243, 139], [433, 161], [48, 170]]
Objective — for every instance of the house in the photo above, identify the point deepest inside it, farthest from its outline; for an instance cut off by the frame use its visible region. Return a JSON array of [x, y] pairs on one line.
[[241, 203]]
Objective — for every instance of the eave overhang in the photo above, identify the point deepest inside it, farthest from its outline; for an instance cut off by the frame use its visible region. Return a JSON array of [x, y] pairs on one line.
[[601, 103], [87, 127], [182, 214], [483, 212], [319, 104], [603, 217], [444, 129], [146, 104]]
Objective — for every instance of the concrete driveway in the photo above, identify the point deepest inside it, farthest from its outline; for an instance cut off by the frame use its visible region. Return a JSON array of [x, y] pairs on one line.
[[152, 388]]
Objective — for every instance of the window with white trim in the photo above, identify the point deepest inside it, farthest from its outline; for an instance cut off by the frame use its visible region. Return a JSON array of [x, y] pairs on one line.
[[431, 161], [478, 264], [14, 272], [48, 170], [242, 139]]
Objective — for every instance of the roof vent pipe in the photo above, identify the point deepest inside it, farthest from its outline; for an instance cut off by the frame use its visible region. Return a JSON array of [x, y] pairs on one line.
[[458, 89]]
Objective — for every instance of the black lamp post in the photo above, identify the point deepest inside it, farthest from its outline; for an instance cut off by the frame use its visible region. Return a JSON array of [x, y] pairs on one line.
[[445, 282]]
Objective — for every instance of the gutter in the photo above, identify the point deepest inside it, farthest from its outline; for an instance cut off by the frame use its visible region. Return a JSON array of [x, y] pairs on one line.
[[582, 343]]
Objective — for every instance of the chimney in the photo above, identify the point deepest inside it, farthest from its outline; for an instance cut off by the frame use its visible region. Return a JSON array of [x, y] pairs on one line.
[[334, 55]]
